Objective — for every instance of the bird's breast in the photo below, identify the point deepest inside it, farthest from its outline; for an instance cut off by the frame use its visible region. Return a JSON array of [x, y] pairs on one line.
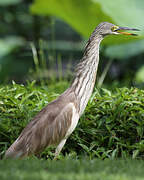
[[74, 121]]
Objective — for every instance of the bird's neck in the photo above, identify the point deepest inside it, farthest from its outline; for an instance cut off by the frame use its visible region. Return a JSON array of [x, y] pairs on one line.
[[86, 70]]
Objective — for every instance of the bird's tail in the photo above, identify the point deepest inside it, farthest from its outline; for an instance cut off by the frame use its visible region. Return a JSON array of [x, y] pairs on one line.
[[13, 155], [14, 152]]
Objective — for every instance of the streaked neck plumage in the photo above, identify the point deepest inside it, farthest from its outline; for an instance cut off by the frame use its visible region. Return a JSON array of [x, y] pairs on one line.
[[86, 70]]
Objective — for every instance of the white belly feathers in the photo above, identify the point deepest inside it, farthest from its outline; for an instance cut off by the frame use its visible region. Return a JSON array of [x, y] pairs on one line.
[[74, 121]]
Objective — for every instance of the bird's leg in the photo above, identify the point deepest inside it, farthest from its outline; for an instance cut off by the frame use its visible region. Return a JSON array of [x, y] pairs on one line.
[[59, 148]]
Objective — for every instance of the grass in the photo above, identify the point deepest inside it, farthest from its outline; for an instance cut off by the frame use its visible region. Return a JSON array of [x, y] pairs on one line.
[[112, 125], [110, 128], [70, 169]]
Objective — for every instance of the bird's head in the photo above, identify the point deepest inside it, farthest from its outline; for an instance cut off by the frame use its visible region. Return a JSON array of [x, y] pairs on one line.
[[106, 28]]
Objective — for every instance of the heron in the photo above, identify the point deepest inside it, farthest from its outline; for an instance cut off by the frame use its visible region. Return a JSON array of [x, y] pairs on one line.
[[56, 122]]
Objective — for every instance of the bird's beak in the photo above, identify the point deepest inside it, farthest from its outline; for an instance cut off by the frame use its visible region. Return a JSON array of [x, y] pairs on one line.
[[121, 30]]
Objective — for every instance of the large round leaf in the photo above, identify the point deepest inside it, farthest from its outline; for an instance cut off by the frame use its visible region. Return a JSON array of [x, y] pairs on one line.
[[84, 15], [122, 51]]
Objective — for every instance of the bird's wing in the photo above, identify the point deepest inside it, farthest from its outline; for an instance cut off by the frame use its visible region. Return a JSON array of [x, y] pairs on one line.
[[44, 134], [48, 127]]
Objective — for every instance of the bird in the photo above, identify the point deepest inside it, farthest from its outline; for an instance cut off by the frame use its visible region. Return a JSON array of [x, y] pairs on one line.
[[56, 122]]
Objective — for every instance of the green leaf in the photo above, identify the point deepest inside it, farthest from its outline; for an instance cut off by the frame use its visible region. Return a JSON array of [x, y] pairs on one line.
[[127, 50], [140, 75], [8, 44], [135, 154], [8, 2], [84, 15], [124, 13]]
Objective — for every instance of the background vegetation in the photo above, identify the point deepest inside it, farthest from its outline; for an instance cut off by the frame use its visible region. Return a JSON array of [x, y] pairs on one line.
[[59, 29], [40, 43], [111, 127]]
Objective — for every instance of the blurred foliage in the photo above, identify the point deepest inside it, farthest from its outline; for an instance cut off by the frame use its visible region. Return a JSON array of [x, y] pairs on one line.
[[58, 45], [7, 45], [127, 50], [74, 12], [83, 15], [112, 125], [18, 28], [8, 2], [140, 75]]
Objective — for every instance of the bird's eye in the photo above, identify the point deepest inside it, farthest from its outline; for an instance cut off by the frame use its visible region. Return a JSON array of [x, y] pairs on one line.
[[114, 28]]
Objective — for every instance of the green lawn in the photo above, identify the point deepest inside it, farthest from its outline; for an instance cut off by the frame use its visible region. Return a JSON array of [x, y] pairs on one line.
[[69, 169]]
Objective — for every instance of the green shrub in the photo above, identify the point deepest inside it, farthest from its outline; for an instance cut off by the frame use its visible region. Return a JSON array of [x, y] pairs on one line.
[[111, 126]]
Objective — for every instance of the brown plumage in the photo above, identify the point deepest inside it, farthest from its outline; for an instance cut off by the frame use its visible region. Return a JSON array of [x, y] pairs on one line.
[[48, 127], [54, 123]]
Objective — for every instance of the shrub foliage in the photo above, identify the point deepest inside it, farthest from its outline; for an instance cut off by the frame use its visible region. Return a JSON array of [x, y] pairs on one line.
[[111, 126]]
